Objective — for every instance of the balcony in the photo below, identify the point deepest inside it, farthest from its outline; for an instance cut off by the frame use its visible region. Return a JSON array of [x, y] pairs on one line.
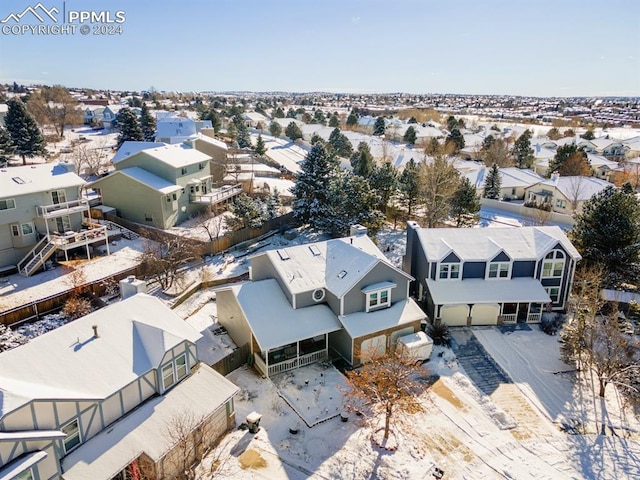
[[219, 195], [69, 240], [61, 209]]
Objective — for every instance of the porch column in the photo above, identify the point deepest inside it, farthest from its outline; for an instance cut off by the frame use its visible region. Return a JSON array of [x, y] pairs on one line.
[[297, 353], [88, 254], [266, 362]]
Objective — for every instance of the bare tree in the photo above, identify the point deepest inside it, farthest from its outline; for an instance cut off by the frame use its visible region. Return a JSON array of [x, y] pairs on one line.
[[576, 185], [192, 437], [91, 160], [384, 385], [55, 106], [163, 258], [498, 153]]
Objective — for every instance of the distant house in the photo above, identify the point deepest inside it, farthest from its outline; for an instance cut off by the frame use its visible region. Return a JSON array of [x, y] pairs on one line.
[[160, 186], [607, 147], [564, 194], [252, 119], [174, 129], [513, 181], [488, 276], [4, 108], [340, 296], [42, 212], [110, 116], [96, 398], [93, 115], [602, 167]]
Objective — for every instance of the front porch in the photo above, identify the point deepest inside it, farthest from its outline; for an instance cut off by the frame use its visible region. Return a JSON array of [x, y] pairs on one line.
[[292, 356]]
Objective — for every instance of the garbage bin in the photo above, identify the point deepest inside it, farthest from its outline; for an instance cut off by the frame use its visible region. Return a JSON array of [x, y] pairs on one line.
[[253, 422]]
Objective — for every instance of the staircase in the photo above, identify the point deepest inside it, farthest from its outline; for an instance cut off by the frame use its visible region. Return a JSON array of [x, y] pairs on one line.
[[36, 257], [125, 232]]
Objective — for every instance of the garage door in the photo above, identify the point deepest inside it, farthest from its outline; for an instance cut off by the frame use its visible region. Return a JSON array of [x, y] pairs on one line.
[[375, 346], [485, 314], [454, 315]]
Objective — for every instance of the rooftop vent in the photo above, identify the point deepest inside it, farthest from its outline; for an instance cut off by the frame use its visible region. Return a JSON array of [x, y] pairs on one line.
[[95, 331], [18, 180], [283, 255], [314, 250], [342, 274]]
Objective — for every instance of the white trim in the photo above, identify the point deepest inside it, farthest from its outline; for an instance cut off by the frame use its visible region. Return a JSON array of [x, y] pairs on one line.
[[449, 271], [499, 270], [7, 200], [70, 437], [559, 258], [374, 299]]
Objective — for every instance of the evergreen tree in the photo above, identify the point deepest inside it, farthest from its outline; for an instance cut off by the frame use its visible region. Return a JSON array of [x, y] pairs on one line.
[[352, 119], [214, 117], [26, 138], [334, 121], [492, 183], [570, 160], [452, 123], [351, 200], [522, 151], [379, 127], [293, 131], [6, 146], [455, 140], [279, 113], [273, 205], [410, 136], [129, 127], [340, 144], [487, 143], [315, 138], [311, 195], [147, 124], [588, 135], [607, 233], [438, 181], [291, 113], [232, 130], [260, 147], [275, 129], [409, 183], [243, 138], [412, 120], [384, 180], [247, 213], [465, 204], [318, 117], [362, 161]]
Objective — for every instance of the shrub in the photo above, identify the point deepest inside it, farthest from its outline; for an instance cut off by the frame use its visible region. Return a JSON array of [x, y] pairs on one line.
[[440, 334], [551, 324], [76, 307]]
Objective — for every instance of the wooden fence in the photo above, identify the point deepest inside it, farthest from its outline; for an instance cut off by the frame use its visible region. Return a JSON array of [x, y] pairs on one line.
[[232, 361]]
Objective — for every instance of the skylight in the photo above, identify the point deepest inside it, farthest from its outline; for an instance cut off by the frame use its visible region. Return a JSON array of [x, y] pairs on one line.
[[18, 180], [342, 274], [314, 250], [283, 254]]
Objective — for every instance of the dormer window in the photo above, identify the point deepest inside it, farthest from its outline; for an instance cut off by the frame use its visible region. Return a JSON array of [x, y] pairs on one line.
[[378, 295], [498, 270], [449, 271]]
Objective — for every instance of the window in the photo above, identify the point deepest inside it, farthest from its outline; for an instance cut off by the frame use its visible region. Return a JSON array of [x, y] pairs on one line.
[[181, 366], [15, 230], [499, 270], [560, 203], [201, 166], [22, 229], [553, 264], [554, 293], [58, 196], [449, 271], [175, 197], [72, 432], [378, 299], [167, 376], [7, 204], [27, 228], [28, 475], [148, 217], [183, 171]]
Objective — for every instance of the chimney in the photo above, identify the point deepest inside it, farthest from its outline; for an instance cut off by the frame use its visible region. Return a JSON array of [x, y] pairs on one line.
[[357, 230], [554, 177], [131, 285], [95, 331]]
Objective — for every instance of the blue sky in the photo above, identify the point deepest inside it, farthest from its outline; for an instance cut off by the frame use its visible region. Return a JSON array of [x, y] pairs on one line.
[[518, 47]]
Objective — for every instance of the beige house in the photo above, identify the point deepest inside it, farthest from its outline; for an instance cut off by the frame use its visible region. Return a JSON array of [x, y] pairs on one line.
[[94, 399], [161, 186], [564, 194]]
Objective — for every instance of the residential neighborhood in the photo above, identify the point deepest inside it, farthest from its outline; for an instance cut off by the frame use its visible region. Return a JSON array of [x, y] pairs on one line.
[[323, 242]]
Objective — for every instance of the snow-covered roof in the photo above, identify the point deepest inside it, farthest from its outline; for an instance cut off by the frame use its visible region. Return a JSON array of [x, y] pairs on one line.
[[145, 429], [320, 265], [482, 244], [70, 363], [146, 178], [131, 148], [212, 141], [510, 177], [598, 161], [478, 290], [28, 179], [177, 155], [255, 117], [272, 319], [577, 187], [364, 323]]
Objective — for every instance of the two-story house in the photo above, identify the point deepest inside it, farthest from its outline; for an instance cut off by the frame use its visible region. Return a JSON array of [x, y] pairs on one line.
[[160, 186], [110, 116], [42, 212], [97, 397], [486, 276], [306, 303], [175, 129]]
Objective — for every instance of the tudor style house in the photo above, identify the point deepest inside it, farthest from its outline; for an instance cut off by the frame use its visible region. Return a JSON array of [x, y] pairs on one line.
[[310, 302], [160, 185], [42, 212], [488, 276], [95, 398]]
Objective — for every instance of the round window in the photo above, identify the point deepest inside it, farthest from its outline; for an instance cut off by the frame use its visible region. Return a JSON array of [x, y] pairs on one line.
[[318, 294]]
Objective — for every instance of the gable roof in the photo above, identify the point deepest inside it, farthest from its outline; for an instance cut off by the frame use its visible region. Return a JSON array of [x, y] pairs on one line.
[[510, 177], [143, 177], [129, 148], [27, 179], [70, 363], [177, 155], [483, 244], [577, 187]]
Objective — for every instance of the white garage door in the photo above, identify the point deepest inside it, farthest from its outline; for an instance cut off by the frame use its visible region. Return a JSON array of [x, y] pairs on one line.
[[485, 314], [375, 346], [454, 315]]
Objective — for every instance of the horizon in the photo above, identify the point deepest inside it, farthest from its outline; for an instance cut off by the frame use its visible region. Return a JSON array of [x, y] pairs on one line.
[[538, 49]]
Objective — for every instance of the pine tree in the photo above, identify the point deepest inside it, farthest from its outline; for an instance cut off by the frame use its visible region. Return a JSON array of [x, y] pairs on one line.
[[492, 183], [247, 213], [129, 127], [607, 233], [318, 117], [410, 186], [569, 160], [438, 182], [311, 195], [213, 117], [352, 119], [379, 127], [588, 135], [362, 161], [260, 147], [452, 123], [275, 129], [334, 121], [455, 140], [273, 205], [279, 113], [243, 138], [147, 124], [410, 136], [384, 180], [6, 146], [293, 132], [340, 144], [465, 204], [25, 135], [522, 151]]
